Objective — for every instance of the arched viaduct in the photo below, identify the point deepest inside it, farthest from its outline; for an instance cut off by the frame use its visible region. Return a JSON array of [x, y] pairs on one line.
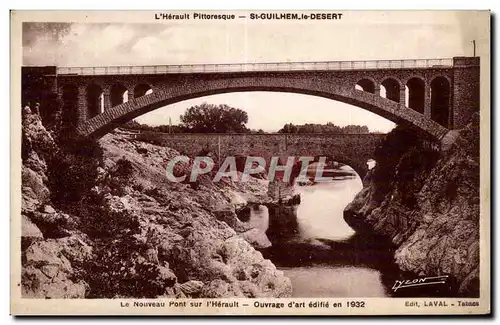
[[321, 84], [434, 96], [350, 149]]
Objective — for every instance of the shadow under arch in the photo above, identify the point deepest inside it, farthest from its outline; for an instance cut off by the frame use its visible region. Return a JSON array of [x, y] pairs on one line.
[[95, 100], [440, 100], [142, 89], [108, 120], [392, 87], [69, 106], [118, 94], [366, 84], [356, 165]]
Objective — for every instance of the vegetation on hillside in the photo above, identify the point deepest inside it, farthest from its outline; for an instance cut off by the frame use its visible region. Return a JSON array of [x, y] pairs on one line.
[[324, 128]]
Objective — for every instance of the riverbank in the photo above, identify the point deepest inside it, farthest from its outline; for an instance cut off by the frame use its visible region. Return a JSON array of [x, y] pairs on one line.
[[427, 204], [100, 220]]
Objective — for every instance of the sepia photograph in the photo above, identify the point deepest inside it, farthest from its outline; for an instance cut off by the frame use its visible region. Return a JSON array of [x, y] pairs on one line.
[[250, 162]]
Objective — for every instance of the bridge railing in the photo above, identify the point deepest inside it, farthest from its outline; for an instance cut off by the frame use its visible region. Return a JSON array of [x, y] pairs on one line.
[[248, 67]]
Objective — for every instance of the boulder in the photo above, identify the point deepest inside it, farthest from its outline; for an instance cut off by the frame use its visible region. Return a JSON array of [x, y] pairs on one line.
[[191, 288], [47, 272], [226, 214], [48, 209], [50, 285], [29, 232], [33, 184], [257, 238], [47, 253], [220, 289]]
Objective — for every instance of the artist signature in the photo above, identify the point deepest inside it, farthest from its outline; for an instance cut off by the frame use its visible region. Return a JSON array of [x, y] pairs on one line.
[[399, 284]]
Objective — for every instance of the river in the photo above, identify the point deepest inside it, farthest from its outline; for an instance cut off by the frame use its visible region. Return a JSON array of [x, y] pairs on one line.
[[322, 255], [320, 225], [318, 251]]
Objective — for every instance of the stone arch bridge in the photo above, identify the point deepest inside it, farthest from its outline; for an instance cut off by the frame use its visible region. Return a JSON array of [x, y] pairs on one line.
[[432, 95], [350, 149]]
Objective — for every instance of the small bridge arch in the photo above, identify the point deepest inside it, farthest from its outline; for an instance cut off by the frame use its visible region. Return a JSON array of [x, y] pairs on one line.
[[357, 165]]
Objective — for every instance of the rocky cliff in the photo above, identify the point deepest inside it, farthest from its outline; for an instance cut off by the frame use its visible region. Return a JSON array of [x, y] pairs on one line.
[[101, 220], [427, 202]]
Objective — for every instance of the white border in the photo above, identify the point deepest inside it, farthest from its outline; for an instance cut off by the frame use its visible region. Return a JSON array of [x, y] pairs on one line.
[[213, 4]]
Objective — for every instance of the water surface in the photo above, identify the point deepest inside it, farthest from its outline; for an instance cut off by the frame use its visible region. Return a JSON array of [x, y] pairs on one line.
[[318, 251]]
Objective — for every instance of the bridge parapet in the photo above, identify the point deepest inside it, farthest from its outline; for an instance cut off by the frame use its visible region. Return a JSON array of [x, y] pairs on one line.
[[249, 67]]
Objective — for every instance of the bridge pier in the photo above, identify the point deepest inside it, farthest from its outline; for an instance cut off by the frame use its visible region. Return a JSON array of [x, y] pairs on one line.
[[130, 93], [107, 99], [81, 115], [402, 95], [427, 101], [465, 90], [283, 221], [283, 193]]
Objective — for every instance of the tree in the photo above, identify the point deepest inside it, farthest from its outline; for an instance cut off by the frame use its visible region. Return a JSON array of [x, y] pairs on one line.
[[209, 118], [355, 129], [288, 128]]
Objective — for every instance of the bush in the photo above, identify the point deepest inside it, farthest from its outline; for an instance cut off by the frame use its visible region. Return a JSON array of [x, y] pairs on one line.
[[73, 172]]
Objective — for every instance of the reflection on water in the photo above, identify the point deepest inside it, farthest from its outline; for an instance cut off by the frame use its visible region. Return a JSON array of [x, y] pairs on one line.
[[259, 217], [335, 282], [320, 211]]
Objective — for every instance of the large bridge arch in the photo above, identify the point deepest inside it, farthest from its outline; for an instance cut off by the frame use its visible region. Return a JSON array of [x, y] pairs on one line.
[[396, 112]]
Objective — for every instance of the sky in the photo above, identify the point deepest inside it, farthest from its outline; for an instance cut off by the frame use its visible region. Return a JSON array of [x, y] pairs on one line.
[[358, 36]]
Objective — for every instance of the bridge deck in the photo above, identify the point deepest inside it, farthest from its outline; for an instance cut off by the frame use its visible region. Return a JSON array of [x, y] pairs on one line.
[[249, 67]]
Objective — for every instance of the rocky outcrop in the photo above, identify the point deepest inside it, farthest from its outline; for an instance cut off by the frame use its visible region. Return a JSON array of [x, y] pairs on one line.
[[101, 220], [427, 203], [257, 238], [48, 271], [192, 232], [51, 251]]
